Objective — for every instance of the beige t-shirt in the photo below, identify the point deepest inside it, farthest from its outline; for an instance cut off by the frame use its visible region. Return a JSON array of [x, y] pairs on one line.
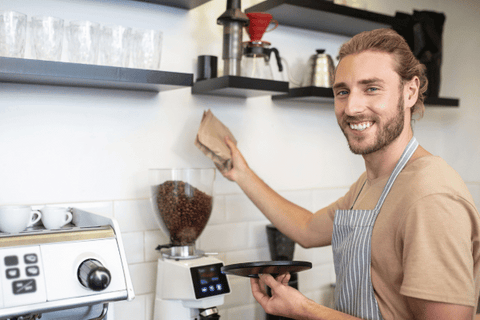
[[426, 239]]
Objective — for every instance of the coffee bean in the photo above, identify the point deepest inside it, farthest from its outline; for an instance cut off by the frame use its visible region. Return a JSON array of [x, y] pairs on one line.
[[184, 209]]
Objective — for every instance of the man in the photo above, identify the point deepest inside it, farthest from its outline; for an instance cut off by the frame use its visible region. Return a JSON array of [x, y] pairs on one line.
[[405, 237]]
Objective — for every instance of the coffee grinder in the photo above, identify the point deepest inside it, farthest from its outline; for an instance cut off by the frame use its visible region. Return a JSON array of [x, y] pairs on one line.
[[256, 52], [190, 284]]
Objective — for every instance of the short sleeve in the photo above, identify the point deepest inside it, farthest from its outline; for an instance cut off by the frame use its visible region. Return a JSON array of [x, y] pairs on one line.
[[437, 234]]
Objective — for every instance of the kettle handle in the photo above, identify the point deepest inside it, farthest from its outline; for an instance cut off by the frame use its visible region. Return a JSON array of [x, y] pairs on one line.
[[277, 56]]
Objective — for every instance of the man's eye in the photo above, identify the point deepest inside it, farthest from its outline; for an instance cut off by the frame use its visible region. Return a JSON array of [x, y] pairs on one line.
[[341, 93], [372, 89]]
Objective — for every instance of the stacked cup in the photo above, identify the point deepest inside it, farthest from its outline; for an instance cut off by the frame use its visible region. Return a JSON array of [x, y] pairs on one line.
[[86, 42]]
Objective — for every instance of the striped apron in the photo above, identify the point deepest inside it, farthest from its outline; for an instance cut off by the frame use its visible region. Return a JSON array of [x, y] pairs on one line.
[[351, 244]]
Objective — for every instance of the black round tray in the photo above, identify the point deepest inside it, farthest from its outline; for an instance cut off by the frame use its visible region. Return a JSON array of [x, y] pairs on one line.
[[253, 269]]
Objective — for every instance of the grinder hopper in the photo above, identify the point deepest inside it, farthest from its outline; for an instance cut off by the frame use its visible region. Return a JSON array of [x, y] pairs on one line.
[[182, 201]]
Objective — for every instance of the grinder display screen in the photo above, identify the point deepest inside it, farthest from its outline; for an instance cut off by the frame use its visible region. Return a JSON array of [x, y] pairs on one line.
[[209, 281]]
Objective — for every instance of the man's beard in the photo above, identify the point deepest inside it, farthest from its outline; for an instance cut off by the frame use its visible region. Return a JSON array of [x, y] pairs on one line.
[[386, 135]]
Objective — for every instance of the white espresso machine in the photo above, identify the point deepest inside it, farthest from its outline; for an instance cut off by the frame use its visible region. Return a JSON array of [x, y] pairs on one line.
[[190, 284]]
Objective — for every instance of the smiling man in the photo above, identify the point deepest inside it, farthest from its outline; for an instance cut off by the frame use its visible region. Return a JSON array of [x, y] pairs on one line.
[[406, 236]]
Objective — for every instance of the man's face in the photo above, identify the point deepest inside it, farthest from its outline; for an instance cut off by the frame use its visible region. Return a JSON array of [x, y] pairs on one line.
[[369, 102]]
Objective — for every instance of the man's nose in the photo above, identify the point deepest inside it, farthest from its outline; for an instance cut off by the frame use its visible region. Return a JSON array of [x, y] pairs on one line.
[[355, 104]]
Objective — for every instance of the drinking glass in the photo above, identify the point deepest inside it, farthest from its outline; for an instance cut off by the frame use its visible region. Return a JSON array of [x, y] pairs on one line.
[[83, 40], [13, 31], [115, 45], [47, 37], [147, 49]]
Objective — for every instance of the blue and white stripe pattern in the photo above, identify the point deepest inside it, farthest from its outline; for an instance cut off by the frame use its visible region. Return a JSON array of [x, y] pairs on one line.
[[351, 243]]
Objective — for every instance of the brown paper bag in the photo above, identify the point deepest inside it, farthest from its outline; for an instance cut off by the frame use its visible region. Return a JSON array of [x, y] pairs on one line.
[[211, 141]]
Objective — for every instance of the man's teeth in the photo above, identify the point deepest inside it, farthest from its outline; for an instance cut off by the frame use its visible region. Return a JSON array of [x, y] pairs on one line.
[[360, 126]]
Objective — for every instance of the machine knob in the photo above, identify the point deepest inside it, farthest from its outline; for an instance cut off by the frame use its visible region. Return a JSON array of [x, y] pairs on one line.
[[92, 274]]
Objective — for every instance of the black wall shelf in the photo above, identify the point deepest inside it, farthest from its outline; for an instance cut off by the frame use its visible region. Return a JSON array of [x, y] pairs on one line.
[[325, 95], [328, 17], [183, 4], [323, 16], [31, 71], [240, 87]]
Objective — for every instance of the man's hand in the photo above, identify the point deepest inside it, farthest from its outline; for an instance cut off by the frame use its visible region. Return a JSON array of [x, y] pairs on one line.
[[284, 301], [240, 166]]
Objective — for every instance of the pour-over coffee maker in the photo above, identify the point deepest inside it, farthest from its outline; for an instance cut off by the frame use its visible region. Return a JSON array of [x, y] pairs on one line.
[[190, 284], [256, 52]]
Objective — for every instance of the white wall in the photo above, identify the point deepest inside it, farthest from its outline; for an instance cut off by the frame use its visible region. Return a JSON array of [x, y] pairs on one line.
[[92, 148]]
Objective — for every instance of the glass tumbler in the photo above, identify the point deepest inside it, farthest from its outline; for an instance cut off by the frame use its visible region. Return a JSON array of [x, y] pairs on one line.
[[115, 46], [147, 49], [47, 37], [13, 31], [83, 40]]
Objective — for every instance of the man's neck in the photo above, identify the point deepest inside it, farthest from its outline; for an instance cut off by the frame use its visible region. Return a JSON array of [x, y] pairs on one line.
[[382, 162]]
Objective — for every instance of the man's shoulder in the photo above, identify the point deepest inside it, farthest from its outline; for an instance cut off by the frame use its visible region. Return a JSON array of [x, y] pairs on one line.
[[433, 175]]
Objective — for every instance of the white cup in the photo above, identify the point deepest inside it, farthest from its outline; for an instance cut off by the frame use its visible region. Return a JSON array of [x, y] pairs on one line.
[[47, 37], [83, 40], [115, 46], [14, 219], [146, 49], [55, 217], [13, 32]]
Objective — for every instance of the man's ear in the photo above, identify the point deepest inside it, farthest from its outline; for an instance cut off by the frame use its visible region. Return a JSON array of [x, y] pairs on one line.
[[411, 90]]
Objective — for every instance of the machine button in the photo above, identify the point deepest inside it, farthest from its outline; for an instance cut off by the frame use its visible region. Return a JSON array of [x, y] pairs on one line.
[[32, 271], [24, 286], [92, 274], [11, 260], [204, 289], [12, 273], [212, 288], [219, 287], [30, 258]]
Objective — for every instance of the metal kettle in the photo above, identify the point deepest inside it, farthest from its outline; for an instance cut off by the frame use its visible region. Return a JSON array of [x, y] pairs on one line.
[[320, 69]]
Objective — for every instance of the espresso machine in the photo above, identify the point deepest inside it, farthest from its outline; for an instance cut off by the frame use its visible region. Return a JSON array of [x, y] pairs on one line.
[[190, 284]]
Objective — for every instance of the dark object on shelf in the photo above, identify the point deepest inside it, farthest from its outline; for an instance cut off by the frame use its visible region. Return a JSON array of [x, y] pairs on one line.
[[183, 4], [309, 94], [325, 95], [275, 268], [424, 32], [206, 67], [90, 76], [323, 16], [281, 248], [241, 87], [233, 21]]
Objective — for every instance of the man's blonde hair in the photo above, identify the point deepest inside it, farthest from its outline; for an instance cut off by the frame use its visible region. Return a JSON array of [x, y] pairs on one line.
[[407, 66]]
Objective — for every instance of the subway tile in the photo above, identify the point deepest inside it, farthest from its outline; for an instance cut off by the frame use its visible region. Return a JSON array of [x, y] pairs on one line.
[[251, 311], [225, 237], [144, 277], [317, 256], [240, 292], [257, 234], [315, 279], [302, 198], [135, 215], [242, 256], [127, 310], [152, 240], [218, 215], [149, 305], [240, 208], [133, 244], [324, 197]]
